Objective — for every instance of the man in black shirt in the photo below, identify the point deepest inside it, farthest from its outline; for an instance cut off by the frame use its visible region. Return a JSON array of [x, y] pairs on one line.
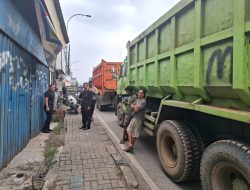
[[49, 97], [86, 99]]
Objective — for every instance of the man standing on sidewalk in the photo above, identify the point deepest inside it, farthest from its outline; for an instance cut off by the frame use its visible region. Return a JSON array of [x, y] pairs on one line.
[[85, 99], [137, 119], [49, 97]]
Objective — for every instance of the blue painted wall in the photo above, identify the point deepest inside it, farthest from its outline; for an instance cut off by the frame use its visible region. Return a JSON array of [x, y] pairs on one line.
[[18, 20], [24, 78]]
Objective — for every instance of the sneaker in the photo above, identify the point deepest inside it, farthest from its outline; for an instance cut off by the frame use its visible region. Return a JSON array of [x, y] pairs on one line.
[[82, 127]]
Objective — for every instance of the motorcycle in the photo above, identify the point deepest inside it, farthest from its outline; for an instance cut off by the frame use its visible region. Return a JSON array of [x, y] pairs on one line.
[[72, 103]]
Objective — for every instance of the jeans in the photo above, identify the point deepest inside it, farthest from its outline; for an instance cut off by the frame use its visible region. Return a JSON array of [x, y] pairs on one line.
[[48, 120]]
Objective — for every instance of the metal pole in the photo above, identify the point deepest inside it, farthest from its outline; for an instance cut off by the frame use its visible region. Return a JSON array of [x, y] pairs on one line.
[[69, 43], [74, 16]]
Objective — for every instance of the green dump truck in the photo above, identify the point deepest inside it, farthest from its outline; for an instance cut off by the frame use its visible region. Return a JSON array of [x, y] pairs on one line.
[[194, 62]]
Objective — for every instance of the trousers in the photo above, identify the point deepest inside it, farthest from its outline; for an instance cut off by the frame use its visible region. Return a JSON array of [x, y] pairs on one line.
[[48, 120], [86, 118]]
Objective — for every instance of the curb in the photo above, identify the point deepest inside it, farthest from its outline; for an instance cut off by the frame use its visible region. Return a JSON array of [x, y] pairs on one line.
[[146, 182], [127, 172]]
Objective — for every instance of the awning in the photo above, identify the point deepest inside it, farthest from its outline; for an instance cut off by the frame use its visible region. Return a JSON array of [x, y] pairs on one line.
[[51, 43]]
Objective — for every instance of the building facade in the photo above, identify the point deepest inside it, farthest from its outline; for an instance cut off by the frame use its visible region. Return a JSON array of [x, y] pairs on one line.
[[26, 52], [59, 67]]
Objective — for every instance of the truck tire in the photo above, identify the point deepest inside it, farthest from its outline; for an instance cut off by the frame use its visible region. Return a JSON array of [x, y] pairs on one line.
[[225, 165], [201, 147], [178, 150], [101, 108], [120, 115]]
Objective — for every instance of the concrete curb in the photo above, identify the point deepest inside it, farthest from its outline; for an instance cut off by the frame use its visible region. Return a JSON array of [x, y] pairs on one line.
[[141, 175], [127, 172]]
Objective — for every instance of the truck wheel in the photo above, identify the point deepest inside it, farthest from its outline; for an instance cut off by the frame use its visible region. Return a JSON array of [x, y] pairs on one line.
[[201, 148], [225, 165], [120, 115], [178, 150], [101, 107]]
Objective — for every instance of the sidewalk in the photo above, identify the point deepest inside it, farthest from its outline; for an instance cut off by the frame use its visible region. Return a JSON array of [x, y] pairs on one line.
[[87, 159]]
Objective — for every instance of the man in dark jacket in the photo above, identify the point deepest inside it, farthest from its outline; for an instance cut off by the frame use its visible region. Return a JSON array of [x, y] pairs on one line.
[[49, 97], [85, 99]]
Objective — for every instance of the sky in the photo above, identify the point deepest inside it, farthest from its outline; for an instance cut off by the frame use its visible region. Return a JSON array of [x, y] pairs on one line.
[[105, 34]]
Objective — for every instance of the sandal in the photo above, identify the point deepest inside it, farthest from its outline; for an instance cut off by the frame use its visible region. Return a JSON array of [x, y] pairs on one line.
[[129, 149], [122, 141]]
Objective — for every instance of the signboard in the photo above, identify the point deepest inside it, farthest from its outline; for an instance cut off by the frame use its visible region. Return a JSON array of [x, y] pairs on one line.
[[71, 89], [73, 82], [59, 85]]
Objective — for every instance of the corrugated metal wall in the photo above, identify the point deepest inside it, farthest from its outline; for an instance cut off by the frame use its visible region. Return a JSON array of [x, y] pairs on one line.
[[39, 84], [22, 84]]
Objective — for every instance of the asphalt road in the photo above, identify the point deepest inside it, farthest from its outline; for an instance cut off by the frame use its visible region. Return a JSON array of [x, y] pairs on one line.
[[146, 155]]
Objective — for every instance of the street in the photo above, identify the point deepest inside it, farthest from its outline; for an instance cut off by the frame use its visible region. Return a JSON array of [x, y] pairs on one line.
[[146, 155], [182, 65]]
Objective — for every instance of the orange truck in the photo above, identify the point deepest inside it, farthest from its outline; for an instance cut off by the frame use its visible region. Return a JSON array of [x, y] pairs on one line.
[[105, 77]]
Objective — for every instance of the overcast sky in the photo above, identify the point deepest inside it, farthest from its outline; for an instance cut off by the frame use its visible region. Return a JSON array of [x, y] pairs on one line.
[[105, 34]]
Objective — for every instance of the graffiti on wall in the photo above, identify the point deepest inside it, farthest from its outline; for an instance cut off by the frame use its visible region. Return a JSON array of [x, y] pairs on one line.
[[219, 57], [19, 73], [43, 79], [15, 70]]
